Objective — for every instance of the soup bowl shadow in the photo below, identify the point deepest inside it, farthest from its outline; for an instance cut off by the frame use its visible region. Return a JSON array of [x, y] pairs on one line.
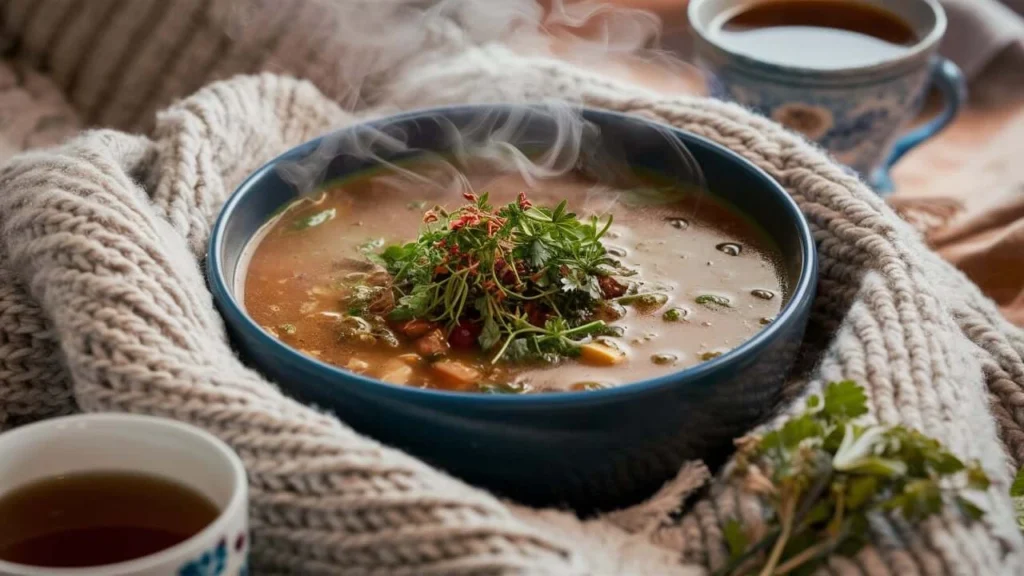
[[594, 450]]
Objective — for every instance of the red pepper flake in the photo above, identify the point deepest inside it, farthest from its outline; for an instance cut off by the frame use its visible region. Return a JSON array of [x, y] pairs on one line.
[[523, 202], [470, 219], [471, 197], [429, 216]]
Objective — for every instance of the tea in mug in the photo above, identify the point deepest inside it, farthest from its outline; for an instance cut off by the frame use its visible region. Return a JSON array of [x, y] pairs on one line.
[[818, 34], [97, 518]]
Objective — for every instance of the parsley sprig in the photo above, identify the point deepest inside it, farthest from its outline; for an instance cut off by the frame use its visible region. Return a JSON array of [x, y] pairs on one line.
[[822, 477], [530, 277]]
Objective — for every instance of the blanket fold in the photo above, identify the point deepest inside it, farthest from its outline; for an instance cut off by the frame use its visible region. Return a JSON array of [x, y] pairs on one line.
[[103, 307]]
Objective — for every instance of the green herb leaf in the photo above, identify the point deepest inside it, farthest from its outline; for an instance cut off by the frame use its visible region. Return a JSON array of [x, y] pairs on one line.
[[490, 335], [371, 245], [713, 301], [288, 328], [792, 433], [1017, 488], [540, 254], [860, 490], [845, 400], [969, 509], [646, 300], [821, 477], [314, 220], [735, 538], [413, 305], [674, 314]]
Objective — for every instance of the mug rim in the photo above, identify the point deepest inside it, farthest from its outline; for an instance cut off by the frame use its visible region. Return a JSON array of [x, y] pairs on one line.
[[921, 48], [146, 423]]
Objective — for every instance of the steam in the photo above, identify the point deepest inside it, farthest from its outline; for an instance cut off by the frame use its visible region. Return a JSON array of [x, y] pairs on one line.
[[361, 45]]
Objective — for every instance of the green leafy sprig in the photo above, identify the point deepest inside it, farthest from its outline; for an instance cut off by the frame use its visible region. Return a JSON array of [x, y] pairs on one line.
[[529, 277], [822, 476]]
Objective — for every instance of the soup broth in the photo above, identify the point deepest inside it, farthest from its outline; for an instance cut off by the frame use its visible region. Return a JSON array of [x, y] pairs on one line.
[[821, 34], [714, 274]]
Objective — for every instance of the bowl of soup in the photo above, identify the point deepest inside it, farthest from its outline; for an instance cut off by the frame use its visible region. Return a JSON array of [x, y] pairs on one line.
[[561, 336]]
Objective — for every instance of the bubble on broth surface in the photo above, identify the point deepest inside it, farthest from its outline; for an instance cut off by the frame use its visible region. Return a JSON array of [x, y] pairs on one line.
[[762, 294], [678, 222], [730, 248]]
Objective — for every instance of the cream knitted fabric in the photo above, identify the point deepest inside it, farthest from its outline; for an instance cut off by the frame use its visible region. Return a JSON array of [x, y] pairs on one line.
[[100, 294]]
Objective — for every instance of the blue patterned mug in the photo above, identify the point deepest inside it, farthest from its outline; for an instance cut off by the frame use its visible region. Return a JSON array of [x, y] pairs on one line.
[[854, 111]]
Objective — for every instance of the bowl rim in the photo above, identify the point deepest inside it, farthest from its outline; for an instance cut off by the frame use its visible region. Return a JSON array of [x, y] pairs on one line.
[[236, 317]]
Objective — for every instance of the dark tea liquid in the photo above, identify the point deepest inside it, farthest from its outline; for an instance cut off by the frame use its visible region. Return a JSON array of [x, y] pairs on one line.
[[98, 518], [820, 34]]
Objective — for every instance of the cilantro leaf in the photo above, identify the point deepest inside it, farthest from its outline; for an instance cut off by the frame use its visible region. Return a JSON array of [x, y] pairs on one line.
[[416, 304], [735, 538], [845, 400], [490, 335], [713, 301], [823, 477], [539, 253]]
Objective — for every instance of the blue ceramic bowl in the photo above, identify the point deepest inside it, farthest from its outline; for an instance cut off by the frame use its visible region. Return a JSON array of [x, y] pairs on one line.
[[588, 450]]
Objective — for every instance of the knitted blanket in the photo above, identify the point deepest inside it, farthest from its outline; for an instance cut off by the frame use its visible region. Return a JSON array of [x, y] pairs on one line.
[[103, 306]]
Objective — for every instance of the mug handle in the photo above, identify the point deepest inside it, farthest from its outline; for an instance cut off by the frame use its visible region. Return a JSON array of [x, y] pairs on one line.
[[951, 83]]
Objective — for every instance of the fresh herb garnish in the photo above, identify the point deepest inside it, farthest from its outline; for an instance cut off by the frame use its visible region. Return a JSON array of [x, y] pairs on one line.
[[645, 301], [822, 477], [530, 276], [675, 314], [713, 301]]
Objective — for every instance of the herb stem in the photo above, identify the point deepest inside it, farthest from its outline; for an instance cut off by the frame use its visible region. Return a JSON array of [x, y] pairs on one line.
[[788, 507], [748, 554]]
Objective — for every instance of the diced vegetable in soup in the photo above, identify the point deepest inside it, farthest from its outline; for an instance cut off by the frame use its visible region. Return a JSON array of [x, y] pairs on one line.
[[563, 286]]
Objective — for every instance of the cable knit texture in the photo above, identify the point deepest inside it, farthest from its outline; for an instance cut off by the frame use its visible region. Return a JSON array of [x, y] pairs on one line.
[[103, 306]]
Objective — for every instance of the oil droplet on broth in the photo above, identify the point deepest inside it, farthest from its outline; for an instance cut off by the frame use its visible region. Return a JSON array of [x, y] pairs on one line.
[[729, 248], [762, 294]]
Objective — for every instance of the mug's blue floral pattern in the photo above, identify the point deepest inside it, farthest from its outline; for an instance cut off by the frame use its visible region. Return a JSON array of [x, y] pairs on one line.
[[211, 563], [856, 120]]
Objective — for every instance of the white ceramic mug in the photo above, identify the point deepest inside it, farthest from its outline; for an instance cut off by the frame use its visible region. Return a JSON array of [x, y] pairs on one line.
[[855, 112], [144, 445]]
